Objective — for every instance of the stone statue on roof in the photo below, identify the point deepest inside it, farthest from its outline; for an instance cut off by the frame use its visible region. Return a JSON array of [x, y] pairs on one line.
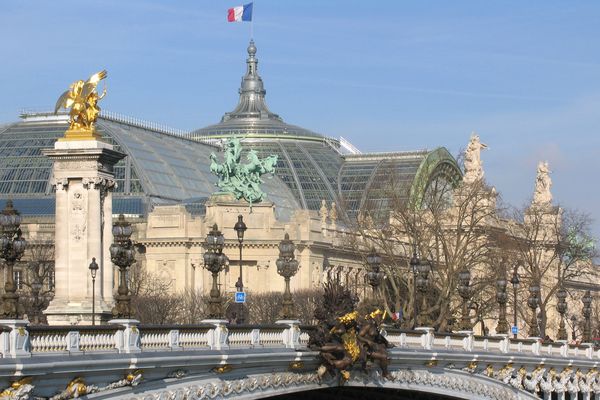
[[543, 183], [242, 180], [473, 164]]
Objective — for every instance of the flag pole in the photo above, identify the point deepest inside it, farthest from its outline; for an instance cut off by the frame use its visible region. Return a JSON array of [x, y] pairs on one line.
[[252, 23]]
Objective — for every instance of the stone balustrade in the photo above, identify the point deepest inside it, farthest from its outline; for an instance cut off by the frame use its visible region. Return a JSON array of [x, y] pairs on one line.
[[73, 340]]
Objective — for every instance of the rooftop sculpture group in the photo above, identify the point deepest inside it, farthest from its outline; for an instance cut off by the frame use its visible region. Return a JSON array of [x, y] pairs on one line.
[[242, 180]]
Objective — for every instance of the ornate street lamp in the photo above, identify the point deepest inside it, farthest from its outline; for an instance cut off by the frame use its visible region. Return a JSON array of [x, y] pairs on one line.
[[561, 306], [533, 302], [93, 271], [464, 290], [374, 276], [514, 280], [587, 313], [287, 266], [240, 227], [214, 261], [36, 286], [573, 326], [502, 298], [122, 254], [12, 247], [423, 269]]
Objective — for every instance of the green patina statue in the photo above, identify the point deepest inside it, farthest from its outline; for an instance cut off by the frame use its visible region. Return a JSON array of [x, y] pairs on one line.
[[242, 180]]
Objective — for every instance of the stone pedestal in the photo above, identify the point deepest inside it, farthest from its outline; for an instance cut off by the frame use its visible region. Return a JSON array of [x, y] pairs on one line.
[[84, 180]]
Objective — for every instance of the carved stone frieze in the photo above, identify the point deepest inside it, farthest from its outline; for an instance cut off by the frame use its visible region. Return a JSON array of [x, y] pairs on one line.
[[103, 184]]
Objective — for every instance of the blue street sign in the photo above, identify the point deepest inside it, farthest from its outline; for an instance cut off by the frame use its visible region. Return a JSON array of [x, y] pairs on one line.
[[514, 330], [240, 297]]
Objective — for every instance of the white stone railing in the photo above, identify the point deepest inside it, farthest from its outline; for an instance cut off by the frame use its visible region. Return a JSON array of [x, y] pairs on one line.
[[127, 336]]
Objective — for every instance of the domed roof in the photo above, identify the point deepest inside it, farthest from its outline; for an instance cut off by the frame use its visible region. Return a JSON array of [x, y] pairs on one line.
[[252, 118]]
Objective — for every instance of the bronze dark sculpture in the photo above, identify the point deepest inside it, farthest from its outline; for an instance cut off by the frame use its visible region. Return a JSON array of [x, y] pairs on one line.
[[343, 338]]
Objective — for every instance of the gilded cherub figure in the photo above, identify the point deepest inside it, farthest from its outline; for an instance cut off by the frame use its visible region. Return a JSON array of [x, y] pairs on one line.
[[82, 100]]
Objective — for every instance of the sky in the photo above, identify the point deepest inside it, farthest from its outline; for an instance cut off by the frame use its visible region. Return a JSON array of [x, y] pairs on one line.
[[385, 75]]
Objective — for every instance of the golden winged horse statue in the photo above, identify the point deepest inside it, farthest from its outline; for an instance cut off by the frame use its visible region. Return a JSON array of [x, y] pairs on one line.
[[82, 100]]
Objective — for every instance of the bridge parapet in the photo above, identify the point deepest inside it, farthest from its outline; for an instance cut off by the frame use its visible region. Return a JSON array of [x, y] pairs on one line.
[[215, 357], [75, 340]]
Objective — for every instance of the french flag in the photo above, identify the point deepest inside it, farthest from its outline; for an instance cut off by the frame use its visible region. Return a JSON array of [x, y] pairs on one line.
[[240, 13]]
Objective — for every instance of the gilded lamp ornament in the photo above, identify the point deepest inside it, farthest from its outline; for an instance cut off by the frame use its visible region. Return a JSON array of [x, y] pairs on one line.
[[82, 101]]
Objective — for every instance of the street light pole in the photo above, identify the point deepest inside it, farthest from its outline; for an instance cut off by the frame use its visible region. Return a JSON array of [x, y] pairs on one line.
[[533, 302], [214, 261], [464, 290], [93, 270], [561, 306], [515, 282], [414, 263], [587, 313], [240, 227], [12, 247], [287, 266]]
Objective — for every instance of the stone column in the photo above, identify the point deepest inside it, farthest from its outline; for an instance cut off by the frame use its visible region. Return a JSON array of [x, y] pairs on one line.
[[84, 179]]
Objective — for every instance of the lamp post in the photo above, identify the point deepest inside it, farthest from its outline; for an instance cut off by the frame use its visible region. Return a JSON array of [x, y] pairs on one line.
[[573, 326], [240, 227], [464, 290], [533, 302], [501, 298], [36, 286], [414, 264], [514, 280], [122, 254], [561, 306], [587, 313], [287, 266], [93, 271], [214, 261], [12, 247], [374, 276], [423, 269]]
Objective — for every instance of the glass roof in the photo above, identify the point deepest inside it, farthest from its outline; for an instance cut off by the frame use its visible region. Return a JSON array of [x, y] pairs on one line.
[[161, 167]]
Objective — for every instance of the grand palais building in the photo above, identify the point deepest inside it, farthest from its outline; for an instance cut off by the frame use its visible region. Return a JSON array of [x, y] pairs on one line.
[[318, 192], [164, 185]]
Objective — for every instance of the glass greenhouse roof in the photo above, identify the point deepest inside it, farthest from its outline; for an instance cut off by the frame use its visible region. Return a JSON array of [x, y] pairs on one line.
[[160, 168]]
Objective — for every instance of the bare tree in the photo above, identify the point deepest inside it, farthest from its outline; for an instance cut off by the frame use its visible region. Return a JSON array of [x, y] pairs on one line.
[[552, 246], [451, 226]]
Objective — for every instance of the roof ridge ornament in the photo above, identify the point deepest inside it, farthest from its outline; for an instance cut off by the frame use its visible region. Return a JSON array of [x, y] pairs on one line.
[[242, 180], [252, 92]]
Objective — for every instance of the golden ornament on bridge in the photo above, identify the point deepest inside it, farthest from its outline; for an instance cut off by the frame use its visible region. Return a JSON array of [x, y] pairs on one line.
[[82, 99]]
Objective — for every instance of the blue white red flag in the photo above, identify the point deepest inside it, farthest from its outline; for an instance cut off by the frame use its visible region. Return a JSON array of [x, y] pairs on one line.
[[240, 13]]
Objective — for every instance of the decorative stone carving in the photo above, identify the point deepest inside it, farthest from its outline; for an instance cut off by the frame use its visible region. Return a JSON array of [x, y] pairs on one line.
[[77, 203], [78, 231], [60, 183], [323, 213], [77, 387], [542, 196], [473, 164], [19, 390]]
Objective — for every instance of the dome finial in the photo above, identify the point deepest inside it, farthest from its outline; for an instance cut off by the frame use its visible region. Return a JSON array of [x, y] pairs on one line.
[[251, 49]]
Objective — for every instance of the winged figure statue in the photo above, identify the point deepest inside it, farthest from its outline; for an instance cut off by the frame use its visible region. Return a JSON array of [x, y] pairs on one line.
[[82, 100]]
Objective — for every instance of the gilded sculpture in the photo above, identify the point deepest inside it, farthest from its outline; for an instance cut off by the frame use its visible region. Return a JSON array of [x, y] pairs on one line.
[[242, 180], [81, 99], [344, 339]]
